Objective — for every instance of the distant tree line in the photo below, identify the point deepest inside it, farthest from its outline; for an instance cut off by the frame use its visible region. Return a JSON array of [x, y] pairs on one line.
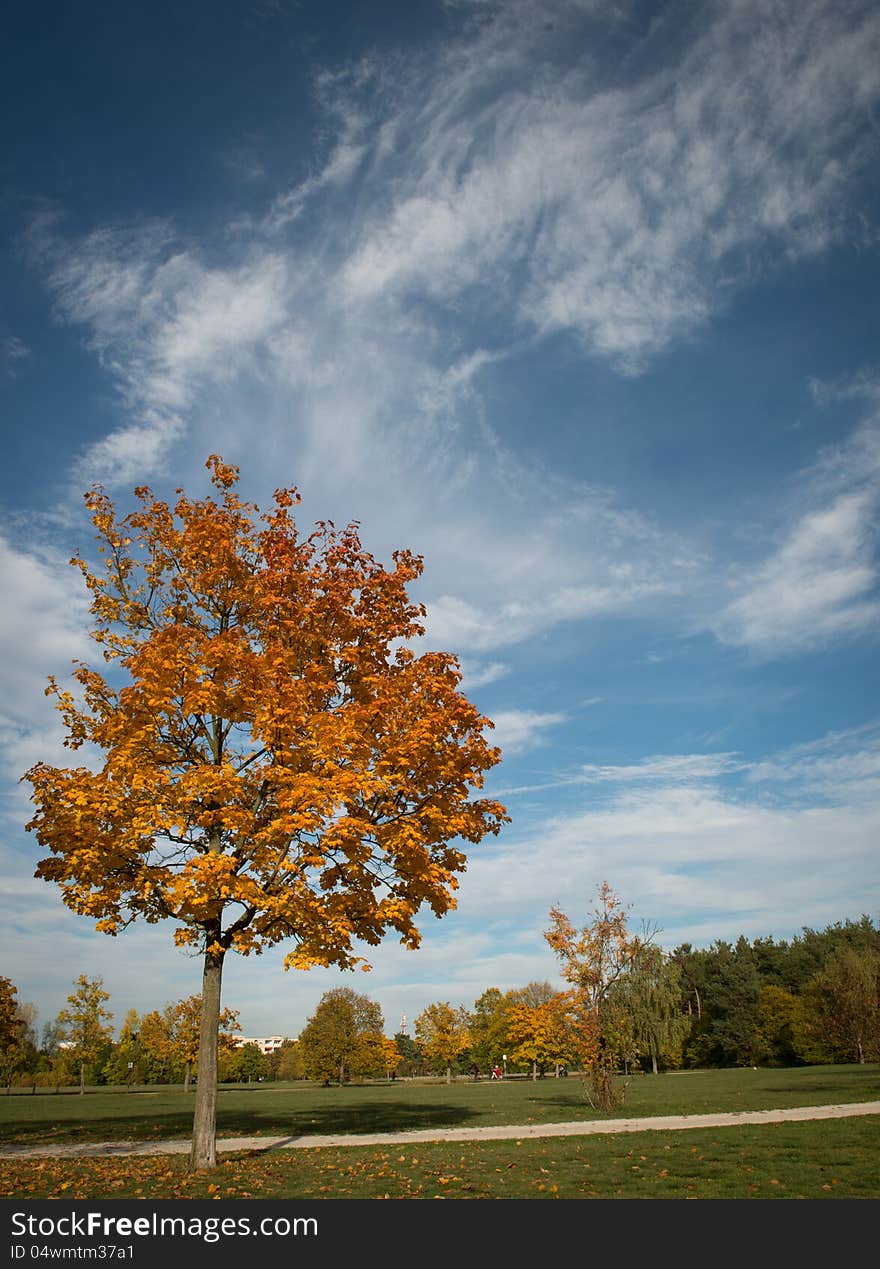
[[627, 1006], [769, 1003], [78, 1046]]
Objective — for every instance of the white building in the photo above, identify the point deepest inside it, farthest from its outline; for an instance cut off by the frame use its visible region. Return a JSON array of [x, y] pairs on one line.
[[266, 1044]]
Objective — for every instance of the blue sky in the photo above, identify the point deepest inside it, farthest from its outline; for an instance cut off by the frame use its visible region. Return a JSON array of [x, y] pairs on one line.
[[577, 300]]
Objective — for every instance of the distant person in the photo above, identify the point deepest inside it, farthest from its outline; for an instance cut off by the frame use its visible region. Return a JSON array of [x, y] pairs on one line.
[[496, 1072]]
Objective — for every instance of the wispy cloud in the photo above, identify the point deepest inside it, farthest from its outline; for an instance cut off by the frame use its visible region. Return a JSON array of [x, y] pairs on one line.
[[839, 766], [519, 729], [819, 584], [13, 352], [820, 581], [476, 674], [41, 631], [463, 623], [163, 324], [668, 769], [623, 204]]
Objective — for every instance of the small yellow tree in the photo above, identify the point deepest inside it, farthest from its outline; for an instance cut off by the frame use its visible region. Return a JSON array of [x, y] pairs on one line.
[[542, 1034], [84, 1024], [376, 1054], [123, 1066], [594, 959], [442, 1034], [183, 1023]]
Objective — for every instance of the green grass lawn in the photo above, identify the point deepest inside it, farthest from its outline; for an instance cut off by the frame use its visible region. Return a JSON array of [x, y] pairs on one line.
[[301, 1109], [814, 1160]]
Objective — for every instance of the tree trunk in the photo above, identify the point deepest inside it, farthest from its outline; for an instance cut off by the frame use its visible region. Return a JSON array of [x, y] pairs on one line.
[[534, 1070], [654, 1063], [186, 1074], [204, 1139], [82, 1079], [449, 1075], [341, 1071]]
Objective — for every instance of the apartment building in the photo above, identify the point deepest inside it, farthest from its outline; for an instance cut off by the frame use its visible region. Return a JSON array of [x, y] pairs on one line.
[[266, 1044]]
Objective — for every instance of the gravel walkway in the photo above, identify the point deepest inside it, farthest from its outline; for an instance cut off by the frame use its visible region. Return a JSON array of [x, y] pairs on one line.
[[657, 1123]]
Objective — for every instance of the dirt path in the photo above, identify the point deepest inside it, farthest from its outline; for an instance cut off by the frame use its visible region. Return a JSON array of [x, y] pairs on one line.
[[657, 1123]]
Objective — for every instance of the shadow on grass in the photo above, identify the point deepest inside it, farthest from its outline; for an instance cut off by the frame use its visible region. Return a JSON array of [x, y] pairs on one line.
[[242, 1122], [564, 1103], [372, 1117]]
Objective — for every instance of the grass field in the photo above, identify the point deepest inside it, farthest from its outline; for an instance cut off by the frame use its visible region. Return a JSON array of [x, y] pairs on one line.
[[301, 1109], [817, 1160]]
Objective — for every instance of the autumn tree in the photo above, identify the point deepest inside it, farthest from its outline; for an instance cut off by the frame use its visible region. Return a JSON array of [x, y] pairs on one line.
[[443, 1034], [287, 1061], [333, 1038], [376, 1054], [183, 1024], [123, 1064], [850, 986], [490, 1027], [85, 1026], [155, 1048], [537, 992], [593, 959], [778, 1017], [28, 1014], [167, 1041], [542, 1033], [13, 1032], [53, 1064], [389, 1053], [269, 759]]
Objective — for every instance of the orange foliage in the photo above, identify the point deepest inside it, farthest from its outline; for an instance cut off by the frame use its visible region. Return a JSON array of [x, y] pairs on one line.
[[592, 960], [545, 1032], [278, 763]]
